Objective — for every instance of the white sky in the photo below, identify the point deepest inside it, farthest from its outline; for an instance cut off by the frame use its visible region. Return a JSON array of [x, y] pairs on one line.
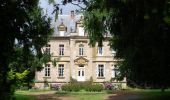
[[49, 8]]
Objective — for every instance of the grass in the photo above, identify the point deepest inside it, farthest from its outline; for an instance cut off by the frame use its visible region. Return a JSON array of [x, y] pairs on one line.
[[83, 95], [151, 94], [145, 94], [155, 95], [90, 96], [23, 97]]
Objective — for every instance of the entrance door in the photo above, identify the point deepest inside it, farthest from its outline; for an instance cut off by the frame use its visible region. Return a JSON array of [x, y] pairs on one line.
[[81, 74]]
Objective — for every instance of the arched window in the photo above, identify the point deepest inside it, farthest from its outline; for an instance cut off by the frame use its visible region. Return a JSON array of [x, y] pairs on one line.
[[81, 49]]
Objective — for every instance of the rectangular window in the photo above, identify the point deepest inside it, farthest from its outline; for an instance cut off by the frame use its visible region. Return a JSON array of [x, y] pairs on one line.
[[47, 70], [100, 70], [79, 73], [47, 49], [61, 70], [61, 49], [115, 71], [81, 49], [100, 50]]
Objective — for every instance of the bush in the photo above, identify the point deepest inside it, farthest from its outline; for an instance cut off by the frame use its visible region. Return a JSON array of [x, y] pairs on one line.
[[82, 86], [55, 86], [71, 87], [108, 86], [94, 88], [77, 86], [117, 86]]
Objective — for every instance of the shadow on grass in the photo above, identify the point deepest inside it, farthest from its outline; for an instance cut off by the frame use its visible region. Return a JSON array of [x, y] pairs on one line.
[[23, 97], [147, 94]]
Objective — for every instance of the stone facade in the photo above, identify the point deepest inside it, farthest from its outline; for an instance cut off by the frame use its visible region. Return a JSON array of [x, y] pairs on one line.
[[75, 57]]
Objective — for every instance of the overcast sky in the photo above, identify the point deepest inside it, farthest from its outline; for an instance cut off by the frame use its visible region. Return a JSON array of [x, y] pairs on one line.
[[49, 8]]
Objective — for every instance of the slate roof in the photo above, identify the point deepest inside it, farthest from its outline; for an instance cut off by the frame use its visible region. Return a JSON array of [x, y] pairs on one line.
[[68, 22]]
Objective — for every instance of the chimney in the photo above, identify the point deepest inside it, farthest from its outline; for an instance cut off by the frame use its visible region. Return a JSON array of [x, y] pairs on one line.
[[72, 14]]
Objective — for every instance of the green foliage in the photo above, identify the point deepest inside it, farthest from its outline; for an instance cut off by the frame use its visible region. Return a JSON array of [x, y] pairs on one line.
[[71, 87], [140, 36], [24, 30], [94, 88], [23, 97], [78, 86], [51, 1]]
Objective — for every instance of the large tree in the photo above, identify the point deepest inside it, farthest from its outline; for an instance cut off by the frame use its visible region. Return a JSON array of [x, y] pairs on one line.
[[24, 30], [140, 36]]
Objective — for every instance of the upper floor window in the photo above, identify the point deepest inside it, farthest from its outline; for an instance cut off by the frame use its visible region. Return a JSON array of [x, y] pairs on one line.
[[81, 49], [47, 49], [61, 70], [61, 49], [100, 50], [100, 70], [47, 70]]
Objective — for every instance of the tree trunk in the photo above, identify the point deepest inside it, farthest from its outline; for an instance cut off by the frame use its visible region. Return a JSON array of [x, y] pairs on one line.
[[6, 92], [163, 89]]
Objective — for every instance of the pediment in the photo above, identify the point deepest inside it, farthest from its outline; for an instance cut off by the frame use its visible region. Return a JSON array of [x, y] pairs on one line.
[[81, 61]]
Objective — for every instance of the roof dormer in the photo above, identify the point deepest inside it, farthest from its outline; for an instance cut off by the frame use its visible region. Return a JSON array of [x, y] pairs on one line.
[[80, 22], [80, 27], [62, 29]]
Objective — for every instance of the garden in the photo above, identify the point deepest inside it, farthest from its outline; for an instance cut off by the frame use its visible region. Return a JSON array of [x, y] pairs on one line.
[[91, 91]]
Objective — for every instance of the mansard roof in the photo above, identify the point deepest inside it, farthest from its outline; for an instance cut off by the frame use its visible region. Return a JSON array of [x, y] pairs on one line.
[[67, 21]]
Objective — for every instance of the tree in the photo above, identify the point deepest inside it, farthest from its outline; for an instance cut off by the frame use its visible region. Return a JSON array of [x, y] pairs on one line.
[[140, 36], [24, 30]]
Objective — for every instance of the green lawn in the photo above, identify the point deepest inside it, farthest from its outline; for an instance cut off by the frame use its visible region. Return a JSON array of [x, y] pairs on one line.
[[151, 94], [155, 95], [146, 94], [23, 97], [84, 95]]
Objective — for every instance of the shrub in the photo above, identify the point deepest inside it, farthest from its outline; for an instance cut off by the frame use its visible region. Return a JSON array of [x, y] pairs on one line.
[[73, 81], [82, 86], [97, 87], [117, 86], [94, 88], [55, 86], [71, 87], [108, 86]]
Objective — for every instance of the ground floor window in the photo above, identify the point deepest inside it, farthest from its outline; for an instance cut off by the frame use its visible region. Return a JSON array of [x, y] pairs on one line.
[[115, 71], [61, 70], [100, 70], [47, 70]]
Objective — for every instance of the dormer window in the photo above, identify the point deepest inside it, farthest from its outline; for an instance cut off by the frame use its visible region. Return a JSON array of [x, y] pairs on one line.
[[62, 29], [80, 27]]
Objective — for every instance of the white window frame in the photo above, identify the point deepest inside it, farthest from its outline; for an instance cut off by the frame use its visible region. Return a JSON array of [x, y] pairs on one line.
[[61, 49], [60, 70], [47, 70], [115, 70], [99, 74]]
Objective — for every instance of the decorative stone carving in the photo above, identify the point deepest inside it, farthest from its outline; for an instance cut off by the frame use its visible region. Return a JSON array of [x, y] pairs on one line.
[[81, 61]]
